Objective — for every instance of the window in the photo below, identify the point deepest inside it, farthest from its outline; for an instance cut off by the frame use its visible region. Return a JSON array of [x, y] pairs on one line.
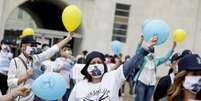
[[120, 22], [20, 13]]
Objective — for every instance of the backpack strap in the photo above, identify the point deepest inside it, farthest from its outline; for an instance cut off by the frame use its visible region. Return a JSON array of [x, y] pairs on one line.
[[15, 63], [24, 63]]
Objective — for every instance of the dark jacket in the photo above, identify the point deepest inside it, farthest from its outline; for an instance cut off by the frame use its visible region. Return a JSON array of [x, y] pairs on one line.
[[162, 88]]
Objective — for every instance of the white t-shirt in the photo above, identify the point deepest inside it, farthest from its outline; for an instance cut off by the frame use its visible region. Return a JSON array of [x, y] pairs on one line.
[[110, 67], [106, 90], [76, 72]]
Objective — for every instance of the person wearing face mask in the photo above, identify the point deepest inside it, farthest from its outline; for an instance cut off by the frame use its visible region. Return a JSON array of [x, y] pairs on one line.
[[24, 68], [64, 65], [145, 79], [100, 85], [187, 82], [166, 81], [5, 58]]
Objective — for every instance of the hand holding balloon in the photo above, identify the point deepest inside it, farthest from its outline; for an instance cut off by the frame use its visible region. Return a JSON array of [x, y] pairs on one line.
[[174, 45], [154, 39], [152, 42], [70, 35]]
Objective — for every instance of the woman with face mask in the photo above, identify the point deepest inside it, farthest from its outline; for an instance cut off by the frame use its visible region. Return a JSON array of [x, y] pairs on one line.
[[5, 58], [187, 83], [145, 78], [166, 81], [25, 68], [100, 85]]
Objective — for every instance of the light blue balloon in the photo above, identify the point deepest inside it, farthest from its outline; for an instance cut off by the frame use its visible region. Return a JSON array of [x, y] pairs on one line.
[[158, 28], [49, 86], [116, 47]]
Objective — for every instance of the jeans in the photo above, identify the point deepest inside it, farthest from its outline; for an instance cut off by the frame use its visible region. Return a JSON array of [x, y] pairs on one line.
[[66, 95], [143, 92]]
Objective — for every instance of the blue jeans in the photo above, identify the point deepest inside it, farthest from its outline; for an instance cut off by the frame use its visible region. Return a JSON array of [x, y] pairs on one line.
[[66, 95], [143, 92]]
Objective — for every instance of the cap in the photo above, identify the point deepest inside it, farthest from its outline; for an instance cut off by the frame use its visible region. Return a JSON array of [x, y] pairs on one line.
[[175, 57], [190, 62]]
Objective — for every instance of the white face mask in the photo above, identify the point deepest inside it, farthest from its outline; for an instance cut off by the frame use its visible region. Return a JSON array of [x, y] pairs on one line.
[[30, 50], [192, 83], [5, 48], [96, 70]]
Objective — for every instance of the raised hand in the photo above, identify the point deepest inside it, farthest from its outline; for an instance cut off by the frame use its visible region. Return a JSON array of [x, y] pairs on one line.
[[174, 45]]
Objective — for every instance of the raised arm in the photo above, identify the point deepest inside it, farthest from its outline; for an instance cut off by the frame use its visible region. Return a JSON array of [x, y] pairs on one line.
[[139, 45], [136, 60], [167, 56], [53, 50]]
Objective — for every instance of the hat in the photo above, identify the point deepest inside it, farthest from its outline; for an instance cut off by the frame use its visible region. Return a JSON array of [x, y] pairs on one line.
[[175, 57], [5, 42], [29, 39], [27, 32], [186, 52], [190, 62], [89, 57]]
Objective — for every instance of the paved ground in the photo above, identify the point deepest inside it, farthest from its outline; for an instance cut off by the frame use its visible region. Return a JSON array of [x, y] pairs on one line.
[[127, 96]]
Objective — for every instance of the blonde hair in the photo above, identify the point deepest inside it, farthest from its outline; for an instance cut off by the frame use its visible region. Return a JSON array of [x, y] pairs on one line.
[[175, 93]]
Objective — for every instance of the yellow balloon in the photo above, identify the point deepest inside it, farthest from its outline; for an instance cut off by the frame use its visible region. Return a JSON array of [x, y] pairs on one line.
[[27, 32], [71, 18], [179, 35]]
